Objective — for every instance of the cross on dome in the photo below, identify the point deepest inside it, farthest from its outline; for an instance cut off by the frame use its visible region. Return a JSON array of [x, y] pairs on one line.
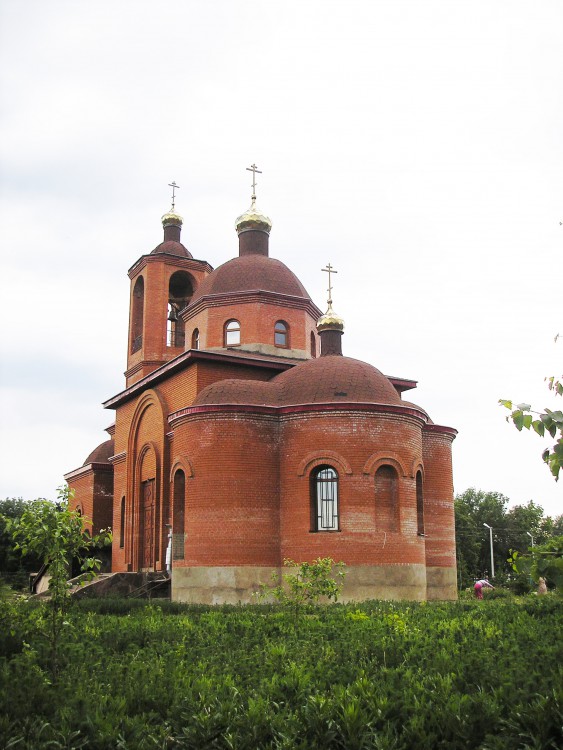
[[254, 169], [329, 269], [174, 188]]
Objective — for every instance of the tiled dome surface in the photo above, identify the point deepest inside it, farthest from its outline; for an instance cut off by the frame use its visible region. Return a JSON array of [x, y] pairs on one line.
[[101, 454], [335, 378], [172, 248], [250, 273], [329, 379]]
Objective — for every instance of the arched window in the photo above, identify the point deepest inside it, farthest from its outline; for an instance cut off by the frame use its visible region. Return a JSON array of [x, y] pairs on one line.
[[122, 525], [179, 509], [137, 312], [419, 504], [232, 333], [195, 338], [281, 334], [313, 345], [386, 499], [324, 499]]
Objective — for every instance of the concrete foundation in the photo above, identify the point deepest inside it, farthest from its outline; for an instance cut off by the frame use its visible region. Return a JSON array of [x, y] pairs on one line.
[[234, 585], [441, 583]]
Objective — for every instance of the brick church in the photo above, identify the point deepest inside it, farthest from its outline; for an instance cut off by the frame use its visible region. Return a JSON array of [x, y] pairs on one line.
[[244, 436]]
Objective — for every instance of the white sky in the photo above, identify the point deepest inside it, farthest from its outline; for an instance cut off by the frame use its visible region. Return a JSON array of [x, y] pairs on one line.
[[417, 146]]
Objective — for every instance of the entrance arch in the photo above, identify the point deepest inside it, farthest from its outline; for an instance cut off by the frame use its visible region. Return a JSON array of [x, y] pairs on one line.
[[148, 518]]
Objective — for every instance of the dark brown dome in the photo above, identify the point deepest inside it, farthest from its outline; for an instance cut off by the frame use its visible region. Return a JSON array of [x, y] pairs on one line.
[[331, 379], [335, 379], [101, 454], [171, 247], [251, 273], [238, 392]]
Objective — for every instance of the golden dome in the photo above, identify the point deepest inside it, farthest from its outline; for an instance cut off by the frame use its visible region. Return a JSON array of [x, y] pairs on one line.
[[253, 218], [330, 321], [172, 218]]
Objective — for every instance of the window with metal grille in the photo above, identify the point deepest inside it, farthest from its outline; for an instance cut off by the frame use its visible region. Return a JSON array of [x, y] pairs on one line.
[[324, 488]]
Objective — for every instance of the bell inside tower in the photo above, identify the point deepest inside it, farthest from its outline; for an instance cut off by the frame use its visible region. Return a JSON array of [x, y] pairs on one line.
[[180, 292]]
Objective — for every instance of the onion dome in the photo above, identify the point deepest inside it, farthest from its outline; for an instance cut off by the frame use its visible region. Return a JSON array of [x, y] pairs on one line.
[[253, 220], [251, 273], [330, 321], [101, 454], [172, 225], [171, 217], [330, 327]]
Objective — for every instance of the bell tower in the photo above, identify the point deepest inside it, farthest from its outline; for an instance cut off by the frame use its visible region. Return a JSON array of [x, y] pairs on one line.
[[162, 284]]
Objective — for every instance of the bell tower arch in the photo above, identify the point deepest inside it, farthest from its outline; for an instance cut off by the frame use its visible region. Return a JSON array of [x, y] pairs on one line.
[[162, 285]]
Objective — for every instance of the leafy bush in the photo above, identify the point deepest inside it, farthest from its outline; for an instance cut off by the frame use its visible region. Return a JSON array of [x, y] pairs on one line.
[[309, 583], [399, 675]]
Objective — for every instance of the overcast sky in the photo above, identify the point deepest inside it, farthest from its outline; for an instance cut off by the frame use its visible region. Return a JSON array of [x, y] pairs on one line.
[[417, 146]]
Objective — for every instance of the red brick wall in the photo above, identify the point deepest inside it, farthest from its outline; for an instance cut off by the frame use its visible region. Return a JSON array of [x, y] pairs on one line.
[[439, 524], [257, 324], [232, 497], [156, 271], [103, 500], [232, 507], [93, 495], [355, 438]]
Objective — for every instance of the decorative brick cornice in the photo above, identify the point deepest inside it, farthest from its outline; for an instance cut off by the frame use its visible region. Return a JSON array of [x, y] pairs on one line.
[[118, 458], [249, 297], [193, 356], [88, 469], [334, 407], [450, 432], [134, 369], [402, 384], [190, 264]]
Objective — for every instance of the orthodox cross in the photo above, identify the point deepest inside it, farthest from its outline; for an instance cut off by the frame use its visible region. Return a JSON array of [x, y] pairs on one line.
[[174, 188], [329, 269], [253, 168]]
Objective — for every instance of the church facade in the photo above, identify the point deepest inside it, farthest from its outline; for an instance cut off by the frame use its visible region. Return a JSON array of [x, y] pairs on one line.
[[244, 436]]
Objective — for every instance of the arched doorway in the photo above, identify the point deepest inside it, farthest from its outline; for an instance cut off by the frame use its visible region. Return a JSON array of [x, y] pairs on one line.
[[147, 523], [148, 519]]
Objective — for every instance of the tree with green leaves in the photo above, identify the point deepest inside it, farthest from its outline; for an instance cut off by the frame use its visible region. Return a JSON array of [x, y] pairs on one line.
[[545, 560], [12, 560], [473, 508], [513, 529], [542, 422], [56, 535]]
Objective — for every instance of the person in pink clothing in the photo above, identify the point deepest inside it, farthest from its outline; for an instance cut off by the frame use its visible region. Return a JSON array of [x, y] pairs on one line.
[[480, 585]]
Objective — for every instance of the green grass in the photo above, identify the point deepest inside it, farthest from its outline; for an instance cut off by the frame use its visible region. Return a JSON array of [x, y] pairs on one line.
[[382, 675]]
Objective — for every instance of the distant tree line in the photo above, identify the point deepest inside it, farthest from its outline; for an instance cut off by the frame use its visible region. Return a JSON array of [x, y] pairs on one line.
[[516, 528]]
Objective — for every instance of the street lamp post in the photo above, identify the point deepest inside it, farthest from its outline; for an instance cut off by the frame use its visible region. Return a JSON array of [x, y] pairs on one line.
[[491, 540], [531, 537]]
